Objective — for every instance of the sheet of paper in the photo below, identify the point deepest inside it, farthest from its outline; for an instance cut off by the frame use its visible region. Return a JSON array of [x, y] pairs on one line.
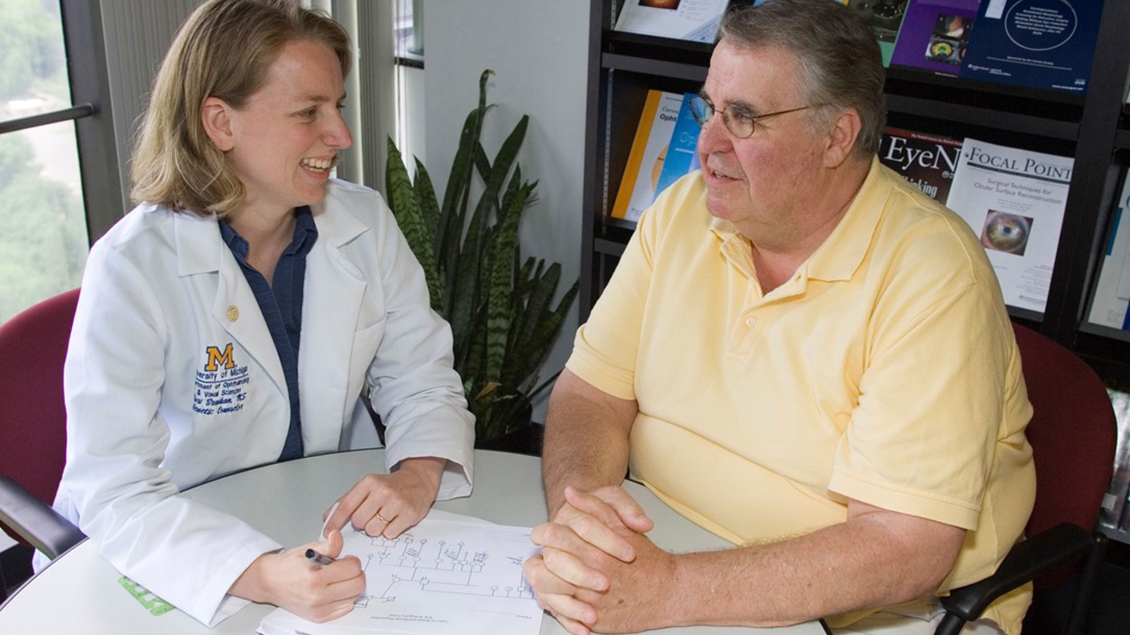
[[449, 575]]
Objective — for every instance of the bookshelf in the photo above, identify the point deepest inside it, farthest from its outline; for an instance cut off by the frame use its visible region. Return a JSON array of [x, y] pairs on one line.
[[1094, 128]]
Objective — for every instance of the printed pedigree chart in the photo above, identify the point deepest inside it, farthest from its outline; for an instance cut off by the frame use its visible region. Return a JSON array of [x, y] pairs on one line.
[[417, 564], [449, 575], [446, 576]]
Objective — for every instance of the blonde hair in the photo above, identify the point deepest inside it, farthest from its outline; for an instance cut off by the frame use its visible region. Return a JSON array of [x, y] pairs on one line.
[[224, 50]]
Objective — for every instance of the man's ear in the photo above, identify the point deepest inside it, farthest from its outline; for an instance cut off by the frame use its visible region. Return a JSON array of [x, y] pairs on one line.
[[217, 123], [842, 137]]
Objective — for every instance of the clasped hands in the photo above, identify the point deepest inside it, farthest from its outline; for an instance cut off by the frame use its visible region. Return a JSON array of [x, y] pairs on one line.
[[597, 570]]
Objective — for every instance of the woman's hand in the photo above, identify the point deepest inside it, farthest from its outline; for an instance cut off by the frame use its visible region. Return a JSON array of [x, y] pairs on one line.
[[316, 592], [388, 504]]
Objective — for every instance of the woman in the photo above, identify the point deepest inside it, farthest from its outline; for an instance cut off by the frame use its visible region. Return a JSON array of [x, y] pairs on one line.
[[184, 361]]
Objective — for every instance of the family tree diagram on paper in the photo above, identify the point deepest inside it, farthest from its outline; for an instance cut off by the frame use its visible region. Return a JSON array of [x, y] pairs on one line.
[[448, 575], [418, 563], [445, 576]]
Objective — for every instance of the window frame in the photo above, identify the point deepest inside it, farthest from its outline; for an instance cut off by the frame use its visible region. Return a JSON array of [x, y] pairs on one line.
[[90, 112]]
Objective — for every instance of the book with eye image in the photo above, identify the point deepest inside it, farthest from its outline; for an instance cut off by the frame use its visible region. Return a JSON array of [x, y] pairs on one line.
[[1014, 200], [935, 35], [927, 161]]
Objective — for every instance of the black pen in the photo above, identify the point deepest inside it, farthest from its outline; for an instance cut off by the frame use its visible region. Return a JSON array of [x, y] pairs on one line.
[[317, 558]]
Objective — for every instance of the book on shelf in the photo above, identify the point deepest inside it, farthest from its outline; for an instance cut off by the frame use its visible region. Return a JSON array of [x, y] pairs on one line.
[[885, 18], [692, 20], [1014, 200], [646, 158], [682, 149], [935, 35], [927, 161], [1043, 44], [1113, 511], [1112, 291]]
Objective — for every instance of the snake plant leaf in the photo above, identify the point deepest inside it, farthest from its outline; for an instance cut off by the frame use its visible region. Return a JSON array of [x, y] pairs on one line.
[[457, 192], [471, 355], [524, 370], [428, 209], [417, 231], [499, 306], [482, 162], [485, 214], [426, 197], [454, 210], [505, 159], [521, 276], [525, 284], [534, 340], [541, 290], [464, 283], [512, 190]]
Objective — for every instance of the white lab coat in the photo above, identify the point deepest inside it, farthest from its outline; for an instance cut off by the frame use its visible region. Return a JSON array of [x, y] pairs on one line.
[[172, 379]]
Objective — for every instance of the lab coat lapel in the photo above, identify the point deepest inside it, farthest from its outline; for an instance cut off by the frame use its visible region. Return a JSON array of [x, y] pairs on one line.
[[335, 288], [201, 251]]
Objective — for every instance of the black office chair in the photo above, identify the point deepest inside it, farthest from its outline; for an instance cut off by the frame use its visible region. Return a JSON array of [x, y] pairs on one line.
[[33, 425], [1073, 434]]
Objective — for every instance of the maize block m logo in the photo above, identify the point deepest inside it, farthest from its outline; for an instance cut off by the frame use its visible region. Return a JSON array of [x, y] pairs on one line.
[[216, 358]]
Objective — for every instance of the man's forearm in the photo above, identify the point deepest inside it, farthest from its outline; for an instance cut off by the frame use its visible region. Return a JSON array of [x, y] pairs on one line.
[[586, 439], [873, 560]]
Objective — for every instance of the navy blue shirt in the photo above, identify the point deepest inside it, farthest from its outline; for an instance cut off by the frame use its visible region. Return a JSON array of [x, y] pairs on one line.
[[281, 305]]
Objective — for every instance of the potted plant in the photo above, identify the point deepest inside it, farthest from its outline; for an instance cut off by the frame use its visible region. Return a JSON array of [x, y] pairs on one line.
[[500, 306]]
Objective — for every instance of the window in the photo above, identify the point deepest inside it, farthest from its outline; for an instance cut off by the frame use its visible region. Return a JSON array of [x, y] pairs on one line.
[[409, 32], [43, 191], [43, 240]]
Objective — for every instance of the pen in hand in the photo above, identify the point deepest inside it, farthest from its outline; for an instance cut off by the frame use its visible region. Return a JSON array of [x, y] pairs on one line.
[[314, 556], [317, 558]]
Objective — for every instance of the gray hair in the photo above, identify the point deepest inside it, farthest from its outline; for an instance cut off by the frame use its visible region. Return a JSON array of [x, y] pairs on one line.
[[837, 53]]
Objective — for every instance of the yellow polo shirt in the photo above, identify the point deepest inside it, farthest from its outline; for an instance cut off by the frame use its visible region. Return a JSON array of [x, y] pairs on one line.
[[884, 370]]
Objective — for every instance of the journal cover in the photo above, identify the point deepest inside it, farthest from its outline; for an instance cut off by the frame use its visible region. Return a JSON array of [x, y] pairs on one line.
[[682, 151], [1014, 200], [649, 151], [935, 35], [1045, 44], [927, 161]]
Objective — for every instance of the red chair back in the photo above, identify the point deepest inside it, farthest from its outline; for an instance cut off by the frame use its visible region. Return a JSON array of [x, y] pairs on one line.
[[33, 432], [1073, 433]]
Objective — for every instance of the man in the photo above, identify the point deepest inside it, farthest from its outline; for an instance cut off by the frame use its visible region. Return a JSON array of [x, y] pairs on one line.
[[800, 352]]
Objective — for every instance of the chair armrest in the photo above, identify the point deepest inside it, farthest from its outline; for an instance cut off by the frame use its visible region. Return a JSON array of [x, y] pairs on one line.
[[37, 523], [1026, 561]]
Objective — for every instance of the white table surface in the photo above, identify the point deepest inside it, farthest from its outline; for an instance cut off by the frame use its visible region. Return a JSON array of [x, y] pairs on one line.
[[79, 592]]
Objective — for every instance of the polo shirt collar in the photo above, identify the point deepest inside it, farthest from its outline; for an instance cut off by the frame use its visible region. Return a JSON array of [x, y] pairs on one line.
[[844, 249]]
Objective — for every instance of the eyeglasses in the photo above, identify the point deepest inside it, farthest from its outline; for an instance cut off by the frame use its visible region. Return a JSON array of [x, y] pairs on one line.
[[740, 124]]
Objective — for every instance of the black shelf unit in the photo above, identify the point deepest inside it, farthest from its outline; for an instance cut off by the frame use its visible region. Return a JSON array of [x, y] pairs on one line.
[[1094, 129]]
